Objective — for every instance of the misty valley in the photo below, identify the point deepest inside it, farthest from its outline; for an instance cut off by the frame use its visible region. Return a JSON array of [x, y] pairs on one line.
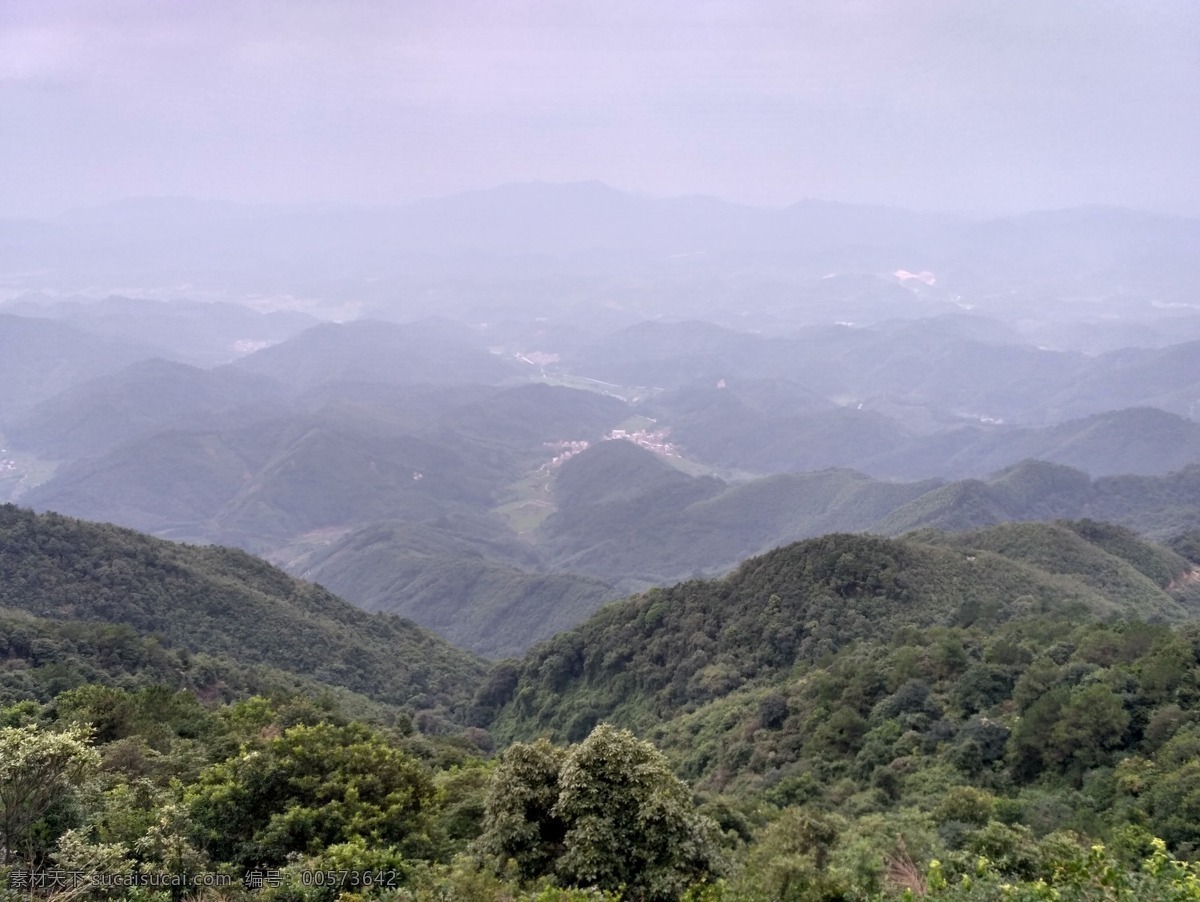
[[553, 542]]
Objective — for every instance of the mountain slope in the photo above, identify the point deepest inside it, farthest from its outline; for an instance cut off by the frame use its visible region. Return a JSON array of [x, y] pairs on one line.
[[1156, 506], [619, 512], [219, 601], [471, 582], [203, 333], [40, 358], [655, 655], [146, 397], [1140, 441], [256, 486], [429, 351]]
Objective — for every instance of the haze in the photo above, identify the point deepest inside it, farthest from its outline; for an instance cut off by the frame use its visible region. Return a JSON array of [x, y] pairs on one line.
[[486, 314], [811, 389], [992, 107]]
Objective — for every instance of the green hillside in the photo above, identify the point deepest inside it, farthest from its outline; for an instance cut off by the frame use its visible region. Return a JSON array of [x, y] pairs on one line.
[[1156, 506], [770, 443], [618, 516], [778, 509], [254, 486], [526, 416], [1028, 491], [203, 333], [897, 436], [1106, 557], [624, 514], [221, 602], [995, 750], [651, 657], [1140, 440], [468, 580], [995, 714], [42, 657]]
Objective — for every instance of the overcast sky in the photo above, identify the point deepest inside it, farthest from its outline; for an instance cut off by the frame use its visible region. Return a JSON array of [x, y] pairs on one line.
[[969, 105]]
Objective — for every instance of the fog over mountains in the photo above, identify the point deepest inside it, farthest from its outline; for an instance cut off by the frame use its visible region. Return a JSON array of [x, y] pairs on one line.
[[537, 451], [742, 266], [494, 411]]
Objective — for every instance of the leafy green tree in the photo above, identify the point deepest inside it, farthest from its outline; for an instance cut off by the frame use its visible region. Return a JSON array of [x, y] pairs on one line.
[[1091, 723], [1174, 802], [310, 788], [982, 686], [78, 854], [631, 822], [520, 819], [166, 847], [965, 804], [790, 860], [610, 815], [368, 870], [38, 768], [1028, 747]]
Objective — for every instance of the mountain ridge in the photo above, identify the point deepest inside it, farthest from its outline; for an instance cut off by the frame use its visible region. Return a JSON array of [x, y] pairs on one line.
[[224, 602]]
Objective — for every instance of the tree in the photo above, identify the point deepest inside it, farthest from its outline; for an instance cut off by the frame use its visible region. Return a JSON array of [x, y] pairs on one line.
[[790, 860], [38, 769], [1090, 724], [310, 788], [520, 822], [607, 812]]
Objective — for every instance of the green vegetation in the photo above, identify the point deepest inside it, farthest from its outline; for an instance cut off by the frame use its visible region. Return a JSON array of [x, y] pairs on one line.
[[1010, 713], [650, 657], [1157, 506], [42, 358], [1006, 752], [213, 601], [1035, 760], [430, 351], [143, 398], [38, 769], [311, 787], [466, 578], [20, 471], [607, 813]]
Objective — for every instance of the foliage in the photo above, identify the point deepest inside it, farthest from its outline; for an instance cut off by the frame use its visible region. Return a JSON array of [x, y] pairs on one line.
[[607, 812], [218, 602], [38, 769], [1070, 873], [521, 820], [310, 788], [790, 860], [644, 660], [846, 708]]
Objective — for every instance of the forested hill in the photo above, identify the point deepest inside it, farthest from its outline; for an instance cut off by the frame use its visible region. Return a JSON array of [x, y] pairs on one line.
[[221, 602], [648, 658]]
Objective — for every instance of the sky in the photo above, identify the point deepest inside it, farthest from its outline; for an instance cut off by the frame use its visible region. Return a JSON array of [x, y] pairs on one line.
[[977, 106]]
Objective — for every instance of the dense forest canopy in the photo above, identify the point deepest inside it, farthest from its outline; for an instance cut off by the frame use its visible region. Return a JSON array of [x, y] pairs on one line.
[[846, 718]]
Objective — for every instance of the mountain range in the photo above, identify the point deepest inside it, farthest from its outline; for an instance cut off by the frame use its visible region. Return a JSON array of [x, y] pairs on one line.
[[221, 603], [882, 527], [775, 375]]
